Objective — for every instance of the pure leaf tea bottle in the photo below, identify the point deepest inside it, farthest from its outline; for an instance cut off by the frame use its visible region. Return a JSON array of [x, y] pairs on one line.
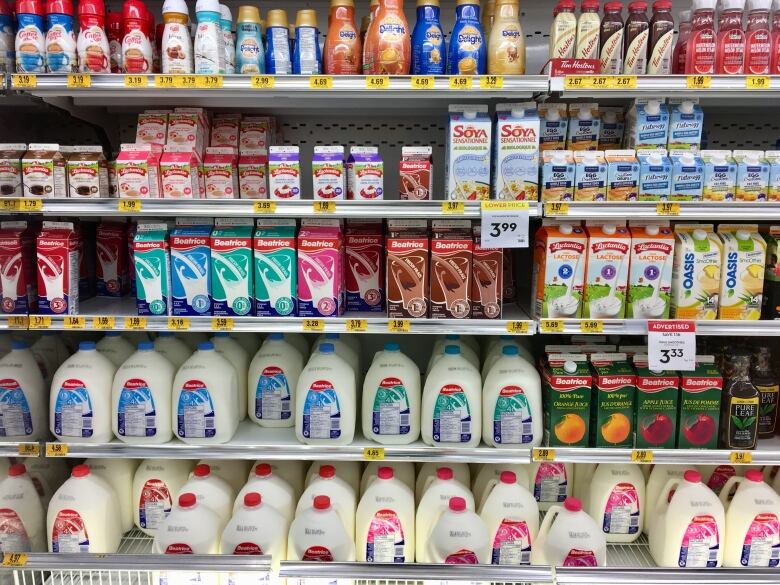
[[739, 408], [766, 383]]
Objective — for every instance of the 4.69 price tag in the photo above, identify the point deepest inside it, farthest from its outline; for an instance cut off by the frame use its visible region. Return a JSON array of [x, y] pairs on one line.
[[671, 345], [504, 224]]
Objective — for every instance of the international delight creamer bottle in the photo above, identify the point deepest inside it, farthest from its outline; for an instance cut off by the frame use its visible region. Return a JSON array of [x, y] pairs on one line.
[[343, 51], [506, 46], [389, 45]]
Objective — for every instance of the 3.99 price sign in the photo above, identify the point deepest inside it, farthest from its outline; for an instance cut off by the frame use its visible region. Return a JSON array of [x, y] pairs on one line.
[[671, 345], [504, 224]]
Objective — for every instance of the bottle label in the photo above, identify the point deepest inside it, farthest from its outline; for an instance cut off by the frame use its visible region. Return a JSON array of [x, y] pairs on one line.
[[209, 50], [761, 547], [462, 557], [512, 417], [767, 412], [775, 55], [30, 44], [700, 543], [60, 44], [660, 60], [178, 548], [278, 61], [612, 54], [452, 416], [621, 515], [757, 52], [732, 52], [512, 543], [13, 536], [428, 50], [155, 504], [508, 57], [15, 417], [550, 483], [742, 422], [176, 51], [69, 534], [565, 31], [73, 410], [390, 53], [467, 51], [136, 412], [317, 553], [229, 47], [321, 412], [137, 52], [385, 541], [700, 53], [195, 411], [588, 39], [93, 50], [272, 396], [580, 558], [6, 44], [306, 51], [390, 414], [249, 49], [247, 548], [636, 54], [719, 477]]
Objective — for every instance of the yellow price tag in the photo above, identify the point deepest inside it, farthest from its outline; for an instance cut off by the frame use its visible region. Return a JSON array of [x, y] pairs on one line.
[[136, 81], [575, 81], [641, 456], [164, 81], [543, 454], [23, 81], [741, 457], [29, 450], [321, 82], [398, 326], [491, 82], [377, 82], [623, 81], [556, 208], [453, 207], [18, 322], [40, 321], [186, 81], [178, 323], [373, 453], [263, 81], [135, 323], [423, 82], [103, 322], [324, 206], [14, 559], [79, 80], [129, 205], [599, 81], [551, 326], [591, 326], [517, 327], [667, 208], [29, 204], [758, 82], [264, 206], [461, 82], [313, 324], [56, 449], [72, 322], [699, 81], [222, 323], [357, 325], [9, 204], [209, 81]]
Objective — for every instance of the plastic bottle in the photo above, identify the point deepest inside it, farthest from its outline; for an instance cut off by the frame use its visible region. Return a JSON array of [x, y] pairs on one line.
[[94, 52], [391, 398], [228, 42], [273, 377], [496, 350], [119, 474], [176, 44], [388, 47], [233, 471], [758, 44], [617, 501], [588, 31], [701, 45], [343, 50], [489, 477], [506, 44], [278, 58], [739, 405], [659, 55], [568, 537], [7, 56], [429, 472], [342, 497], [730, 51], [307, 58], [349, 471], [299, 342], [114, 32], [231, 350], [583, 474], [250, 53], [22, 396], [465, 349], [276, 492], [22, 515], [563, 35], [637, 39], [205, 398], [317, 534], [774, 66], [208, 47], [115, 347], [468, 45], [48, 352], [83, 515], [154, 40], [212, 491], [256, 528], [190, 528], [766, 382], [402, 470], [172, 348], [611, 42], [155, 486], [365, 24], [30, 42], [680, 54], [657, 489], [343, 348], [293, 472], [194, 338], [137, 52], [459, 536], [60, 38], [487, 16], [429, 49], [551, 483]]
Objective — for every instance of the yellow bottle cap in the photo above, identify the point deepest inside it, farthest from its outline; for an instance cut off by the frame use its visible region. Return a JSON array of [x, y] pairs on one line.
[[249, 14], [277, 18], [466, 2], [427, 3], [306, 18], [347, 3]]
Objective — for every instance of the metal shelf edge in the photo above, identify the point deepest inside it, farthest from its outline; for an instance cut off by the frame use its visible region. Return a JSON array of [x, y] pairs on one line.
[[660, 575], [141, 562]]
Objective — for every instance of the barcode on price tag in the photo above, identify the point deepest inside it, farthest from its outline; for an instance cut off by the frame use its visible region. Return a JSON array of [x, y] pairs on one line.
[[504, 224], [671, 345]]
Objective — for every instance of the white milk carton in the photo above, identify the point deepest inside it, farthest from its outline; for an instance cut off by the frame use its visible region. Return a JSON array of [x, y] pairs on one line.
[[584, 127], [327, 173], [655, 175], [516, 152], [468, 153], [606, 272], [650, 274], [553, 126], [58, 269], [284, 172], [648, 124], [558, 175], [622, 175], [686, 124], [687, 176], [720, 175], [696, 272], [742, 271]]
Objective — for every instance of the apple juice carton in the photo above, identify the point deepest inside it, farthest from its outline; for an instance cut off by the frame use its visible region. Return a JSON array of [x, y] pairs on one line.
[[18, 278], [614, 393], [112, 263], [253, 174], [220, 173], [179, 173], [613, 127], [558, 175], [655, 175], [742, 272], [558, 281], [696, 272], [451, 259], [657, 402], [276, 268], [57, 248], [365, 278], [284, 172], [687, 176], [408, 251], [516, 152], [752, 175], [584, 127], [152, 262], [365, 173], [590, 176], [468, 153], [553, 126], [224, 131], [232, 267], [700, 395], [685, 124], [650, 272], [567, 396], [773, 158], [320, 271], [486, 280], [622, 175], [327, 173], [191, 269], [152, 127], [648, 125], [606, 272], [416, 168], [720, 175], [11, 169], [138, 171]]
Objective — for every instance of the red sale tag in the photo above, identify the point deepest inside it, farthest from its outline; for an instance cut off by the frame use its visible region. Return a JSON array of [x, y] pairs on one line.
[[671, 345]]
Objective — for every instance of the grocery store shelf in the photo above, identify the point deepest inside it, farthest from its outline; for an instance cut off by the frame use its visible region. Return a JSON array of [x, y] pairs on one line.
[[683, 210], [20, 449], [662, 576], [639, 327]]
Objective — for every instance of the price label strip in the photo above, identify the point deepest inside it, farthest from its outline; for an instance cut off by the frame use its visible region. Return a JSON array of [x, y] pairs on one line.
[[641, 456], [79, 81], [741, 457], [178, 323], [103, 322], [517, 327], [324, 207], [24, 81], [699, 81], [39, 322], [136, 81], [222, 324], [264, 206], [14, 559], [554, 208], [504, 224], [18, 322], [357, 325], [135, 323], [398, 326], [30, 204], [491, 82], [758, 82], [667, 208], [129, 205], [56, 449], [373, 453], [453, 207], [263, 81], [314, 325], [72, 322], [551, 326], [423, 82], [462, 82], [377, 82], [591, 326], [321, 82], [29, 450], [671, 345], [543, 454]]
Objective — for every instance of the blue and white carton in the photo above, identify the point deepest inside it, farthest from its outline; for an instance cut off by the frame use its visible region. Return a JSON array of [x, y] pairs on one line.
[[687, 176], [655, 175], [648, 125], [191, 269], [685, 125]]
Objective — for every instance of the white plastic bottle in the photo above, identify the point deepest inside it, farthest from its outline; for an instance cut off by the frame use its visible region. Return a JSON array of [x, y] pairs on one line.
[[176, 44], [551, 483], [391, 398], [568, 537], [317, 534], [172, 348], [256, 528], [232, 471], [511, 516], [207, 48], [466, 350], [119, 474], [452, 402], [459, 537], [276, 492], [273, 377], [385, 521], [212, 491], [690, 528], [80, 398], [141, 397], [342, 497], [300, 342], [47, 475], [348, 471], [617, 501], [326, 402], [49, 352], [251, 342], [293, 472], [83, 515], [228, 42], [659, 478], [236, 355], [22, 515], [156, 484], [115, 347], [429, 472], [402, 470], [344, 350], [489, 477], [205, 398], [583, 473], [495, 351], [190, 528], [23, 407]]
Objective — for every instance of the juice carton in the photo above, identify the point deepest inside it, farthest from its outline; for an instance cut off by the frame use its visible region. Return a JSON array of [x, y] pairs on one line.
[[87, 172], [191, 269], [614, 393], [650, 274], [696, 272], [365, 173], [451, 257], [408, 250], [284, 172], [152, 127], [43, 171], [685, 124], [18, 278], [320, 271], [648, 125], [687, 176], [11, 169], [606, 272], [700, 395], [365, 279], [468, 153], [486, 280], [112, 267], [327, 173], [613, 126], [253, 174], [220, 173], [622, 175], [742, 278], [590, 176], [584, 127], [657, 400], [752, 175], [558, 171], [138, 171], [516, 152], [152, 261], [567, 396], [276, 268], [655, 175], [224, 130], [416, 167], [771, 309], [720, 175], [57, 248], [773, 158], [232, 267], [554, 125], [179, 173], [256, 133], [560, 251]]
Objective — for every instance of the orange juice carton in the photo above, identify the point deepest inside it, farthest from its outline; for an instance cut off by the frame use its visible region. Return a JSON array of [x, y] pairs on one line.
[[558, 281], [468, 150], [752, 175], [253, 174], [720, 175], [590, 176], [650, 272], [486, 280], [696, 272], [613, 126], [553, 126], [516, 152], [284, 172], [558, 175], [567, 394], [686, 122], [687, 176], [606, 271], [614, 394], [57, 248], [742, 272], [179, 173], [11, 169], [152, 127], [773, 158], [584, 127], [138, 171], [655, 175], [225, 129], [647, 124], [185, 130], [256, 133], [622, 175], [43, 171], [365, 173], [220, 172], [416, 181], [87, 173], [327, 173]]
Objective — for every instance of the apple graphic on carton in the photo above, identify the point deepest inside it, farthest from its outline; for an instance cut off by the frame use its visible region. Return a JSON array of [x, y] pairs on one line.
[[656, 428], [699, 429]]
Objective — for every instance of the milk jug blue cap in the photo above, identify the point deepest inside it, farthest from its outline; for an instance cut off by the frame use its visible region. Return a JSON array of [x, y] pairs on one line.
[[326, 348], [452, 350], [392, 346], [112, 334], [19, 345], [205, 346], [86, 345], [510, 350], [452, 337], [146, 346], [276, 336], [332, 336]]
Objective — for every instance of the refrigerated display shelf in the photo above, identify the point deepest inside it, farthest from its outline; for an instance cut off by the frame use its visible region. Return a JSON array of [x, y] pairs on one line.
[[674, 211], [769, 328]]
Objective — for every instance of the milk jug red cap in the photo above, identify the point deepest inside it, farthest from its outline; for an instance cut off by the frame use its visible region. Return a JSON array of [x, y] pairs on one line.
[[252, 499], [29, 7], [692, 476], [327, 471], [589, 5], [572, 504], [202, 470], [59, 7], [385, 473], [93, 8], [750, 475], [566, 5], [263, 470], [444, 473], [187, 500], [457, 504], [80, 471], [16, 470], [321, 502], [508, 477]]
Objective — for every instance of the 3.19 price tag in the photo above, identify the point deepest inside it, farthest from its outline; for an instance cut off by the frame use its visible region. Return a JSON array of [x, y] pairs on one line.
[[504, 224], [671, 345]]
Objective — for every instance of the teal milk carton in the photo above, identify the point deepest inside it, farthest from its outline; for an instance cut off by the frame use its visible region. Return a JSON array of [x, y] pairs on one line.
[[276, 268], [231, 267], [151, 257]]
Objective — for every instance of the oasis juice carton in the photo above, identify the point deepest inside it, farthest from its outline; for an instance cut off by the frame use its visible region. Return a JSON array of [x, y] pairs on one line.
[[584, 127], [622, 175], [742, 276], [606, 272], [696, 272], [554, 125], [232, 267], [700, 396], [752, 175], [275, 268], [655, 175], [152, 264], [191, 269], [516, 152], [657, 401], [57, 248], [567, 396], [720, 175], [685, 124], [614, 393], [558, 281], [365, 277], [590, 176], [650, 272], [468, 153], [558, 171], [687, 176], [320, 271], [771, 308], [773, 158], [18, 277], [648, 125]]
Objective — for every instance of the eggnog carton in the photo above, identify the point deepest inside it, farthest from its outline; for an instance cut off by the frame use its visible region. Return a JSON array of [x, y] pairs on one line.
[[138, 171], [365, 173], [18, 278], [468, 149], [558, 172], [685, 125], [220, 173], [613, 126], [773, 157], [253, 174], [606, 272], [687, 176], [696, 272], [720, 175], [752, 175], [179, 173], [43, 171], [553, 126], [224, 131], [11, 169], [558, 281], [650, 272], [742, 272], [57, 248], [284, 172], [590, 176], [584, 127], [152, 127], [327, 173], [87, 173], [416, 168], [622, 175], [255, 133], [516, 152]]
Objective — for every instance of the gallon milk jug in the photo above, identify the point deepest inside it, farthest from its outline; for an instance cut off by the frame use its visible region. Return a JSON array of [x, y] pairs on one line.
[[156, 484], [172, 348], [452, 402], [190, 528], [617, 501], [205, 398], [293, 472], [568, 537], [690, 529], [551, 483], [391, 398], [276, 492], [115, 347], [465, 349], [256, 528], [22, 517], [212, 491], [385, 521], [273, 377], [141, 397], [512, 403], [348, 471], [752, 522], [341, 494], [83, 515], [118, 473], [232, 471], [429, 472], [402, 470], [326, 402], [433, 502], [23, 408], [249, 341], [583, 474], [657, 490], [489, 477], [299, 342], [511, 516], [495, 351], [318, 534], [343, 348], [49, 352], [80, 398], [194, 338], [459, 537], [47, 475], [236, 355]]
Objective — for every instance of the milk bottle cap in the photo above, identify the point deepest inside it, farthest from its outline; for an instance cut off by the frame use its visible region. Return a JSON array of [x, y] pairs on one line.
[[207, 6], [692, 476], [252, 500], [86, 346], [508, 477], [452, 350], [205, 346], [133, 10], [5, 9], [566, 228], [444, 473], [326, 348], [80, 471], [276, 18], [59, 7], [385, 473], [321, 502], [29, 7], [16, 470], [202, 470], [19, 345], [457, 504], [224, 13], [754, 475], [306, 18], [653, 107], [651, 230], [510, 350], [327, 471], [187, 500], [177, 6], [572, 504], [146, 346], [332, 336], [263, 470], [569, 367], [276, 336], [392, 346]]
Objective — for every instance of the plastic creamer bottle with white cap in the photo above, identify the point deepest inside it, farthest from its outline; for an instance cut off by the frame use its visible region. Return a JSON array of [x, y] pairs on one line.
[[172, 348], [326, 402], [22, 395], [402, 470], [349, 471], [452, 402], [659, 488], [228, 42], [232, 471], [429, 472], [459, 537], [83, 515], [551, 482], [318, 534], [155, 486], [617, 501], [276, 491], [176, 44], [22, 516], [190, 528], [489, 477], [568, 537], [231, 350], [273, 377], [466, 351], [212, 491], [80, 397], [256, 528], [342, 496], [118, 473], [391, 398], [115, 347], [205, 398], [208, 47]]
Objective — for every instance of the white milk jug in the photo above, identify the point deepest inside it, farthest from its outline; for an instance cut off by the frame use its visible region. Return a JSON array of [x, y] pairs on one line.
[[342, 497], [659, 478], [47, 475], [236, 355], [402, 470], [80, 398], [172, 348], [156, 484], [232, 471], [551, 483], [49, 351], [617, 501], [119, 474], [22, 516], [489, 477], [348, 471], [23, 407], [325, 401], [391, 398], [385, 521], [212, 491], [293, 472], [256, 528], [190, 528], [194, 338], [495, 351], [568, 537], [583, 474], [344, 349], [83, 515], [205, 398], [318, 534], [273, 377], [459, 537], [300, 342], [251, 342], [429, 472], [466, 350], [276, 492], [115, 347]]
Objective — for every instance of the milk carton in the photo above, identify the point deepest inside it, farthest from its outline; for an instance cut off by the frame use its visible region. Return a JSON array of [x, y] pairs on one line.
[[468, 153], [416, 168], [364, 244], [590, 176], [720, 175], [327, 173], [752, 175], [179, 173], [655, 175], [486, 280], [613, 127], [773, 158], [87, 172], [220, 173], [554, 125], [151, 258], [584, 127], [224, 131], [152, 127], [451, 259], [138, 171], [276, 269], [516, 152], [365, 173], [696, 272], [112, 265], [232, 267], [742, 272], [320, 271], [255, 134], [558, 171], [687, 176], [685, 125], [191, 269], [606, 273], [408, 251], [559, 269], [186, 129], [622, 175], [253, 174], [43, 171], [648, 125], [18, 278], [650, 274], [284, 172], [11, 169], [58, 269]]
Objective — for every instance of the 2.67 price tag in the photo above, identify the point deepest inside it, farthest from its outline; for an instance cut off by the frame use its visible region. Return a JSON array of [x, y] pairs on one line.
[[504, 224], [671, 345]]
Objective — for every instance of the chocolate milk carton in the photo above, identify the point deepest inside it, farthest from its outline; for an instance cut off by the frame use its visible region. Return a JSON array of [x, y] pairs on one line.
[[253, 174], [18, 278], [112, 261], [327, 173], [58, 269], [11, 169], [408, 250], [486, 280], [284, 172], [416, 168], [321, 271], [468, 153], [451, 257], [364, 244], [87, 173], [232, 267], [275, 268], [191, 269], [365, 173], [152, 261], [43, 171]]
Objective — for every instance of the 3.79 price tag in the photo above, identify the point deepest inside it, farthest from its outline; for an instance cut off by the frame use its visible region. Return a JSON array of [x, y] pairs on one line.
[[671, 345], [504, 224]]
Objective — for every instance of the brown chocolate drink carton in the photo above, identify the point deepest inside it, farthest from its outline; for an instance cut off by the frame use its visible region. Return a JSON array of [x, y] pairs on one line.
[[487, 278], [408, 250], [452, 250], [11, 169], [43, 171]]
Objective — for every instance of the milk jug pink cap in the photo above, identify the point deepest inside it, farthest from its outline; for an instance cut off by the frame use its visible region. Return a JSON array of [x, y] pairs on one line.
[[444, 473], [252, 500], [572, 504], [327, 471], [457, 504], [385, 473], [263, 470], [750, 475], [59, 7], [29, 7], [321, 502], [589, 5], [187, 500], [16, 470], [508, 476], [80, 471], [692, 476]]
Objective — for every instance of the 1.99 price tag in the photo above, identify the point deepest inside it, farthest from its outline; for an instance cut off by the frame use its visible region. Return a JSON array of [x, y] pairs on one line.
[[671, 345], [504, 224]]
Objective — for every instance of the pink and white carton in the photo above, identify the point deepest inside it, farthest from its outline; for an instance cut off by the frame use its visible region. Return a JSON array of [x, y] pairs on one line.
[[179, 173], [112, 270], [365, 173], [220, 171], [253, 174], [364, 244], [327, 173], [256, 134], [58, 269], [320, 271], [225, 129], [17, 269], [152, 127], [284, 172], [185, 129], [138, 171]]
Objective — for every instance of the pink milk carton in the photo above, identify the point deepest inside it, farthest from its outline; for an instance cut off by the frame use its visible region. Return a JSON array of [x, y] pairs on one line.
[[320, 271], [255, 134], [112, 263], [179, 173], [253, 174], [17, 268], [365, 173], [138, 171], [224, 130], [220, 171], [185, 129], [58, 269], [327, 173], [364, 279], [152, 127]]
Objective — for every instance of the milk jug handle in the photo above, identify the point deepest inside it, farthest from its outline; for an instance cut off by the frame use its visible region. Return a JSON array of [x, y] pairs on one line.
[[544, 528], [492, 483], [672, 482], [726, 489]]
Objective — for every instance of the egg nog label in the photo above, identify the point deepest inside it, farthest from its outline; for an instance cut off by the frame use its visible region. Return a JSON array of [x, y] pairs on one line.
[[73, 410], [321, 412], [580, 558], [621, 515], [155, 504], [462, 557], [700, 543], [15, 418], [13, 536], [195, 411], [761, 547], [136, 413], [390, 412], [69, 533], [512, 417], [385, 540], [512, 543], [550, 483], [452, 416], [272, 395]]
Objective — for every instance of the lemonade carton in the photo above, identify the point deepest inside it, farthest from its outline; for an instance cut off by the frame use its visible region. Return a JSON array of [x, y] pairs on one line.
[[558, 175], [554, 125], [720, 175], [559, 269], [696, 272], [584, 127], [516, 152], [614, 392], [687, 176], [567, 394], [657, 399], [622, 175], [773, 157], [700, 394], [590, 176], [655, 175], [606, 272], [752, 175], [742, 279], [650, 274]]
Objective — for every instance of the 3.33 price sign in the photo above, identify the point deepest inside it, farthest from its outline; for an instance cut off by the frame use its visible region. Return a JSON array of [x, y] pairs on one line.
[[671, 345]]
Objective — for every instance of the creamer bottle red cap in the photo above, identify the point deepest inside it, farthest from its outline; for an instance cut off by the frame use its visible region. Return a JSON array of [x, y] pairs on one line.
[[93, 46]]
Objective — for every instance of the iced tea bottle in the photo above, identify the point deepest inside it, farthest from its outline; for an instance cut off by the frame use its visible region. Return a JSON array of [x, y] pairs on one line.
[[766, 382], [739, 407]]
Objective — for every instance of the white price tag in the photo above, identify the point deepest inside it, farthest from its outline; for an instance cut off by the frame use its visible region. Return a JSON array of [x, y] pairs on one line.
[[671, 345], [504, 224]]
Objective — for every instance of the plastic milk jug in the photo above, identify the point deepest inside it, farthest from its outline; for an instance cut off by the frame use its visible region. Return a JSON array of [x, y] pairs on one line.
[[231, 349], [191, 528], [83, 515], [349, 471], [568, 537], [118, 473], [657, 490], [22, 516], [212, 491], [273, 377], [156, 484], [276, 492], [466, 350], [617, 501], [551, 483], [299, 342], [251, 342], [402, 470], [385, 521], [496, 351], [49, 351], [47, 475], [459, 537], [293, 472], [232, 471], [342, 497], [172, 348], [429, 472], [583, 473], [115, 347], [318, 534], [80, 397], [256, 528], [23, 407], [343, 349], [489, 477]]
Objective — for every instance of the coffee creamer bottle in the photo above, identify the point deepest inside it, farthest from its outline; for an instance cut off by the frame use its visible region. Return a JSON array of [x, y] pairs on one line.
[[94, 52], [7, 57], [228, 41], [388, 49], [60, 38], [343, 50], [30, 44], [209, 43], [429, 51], [23, 396], [137, 53], [22, 515], [468, 47], [176, 44], [250, 53], [278, 57]]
